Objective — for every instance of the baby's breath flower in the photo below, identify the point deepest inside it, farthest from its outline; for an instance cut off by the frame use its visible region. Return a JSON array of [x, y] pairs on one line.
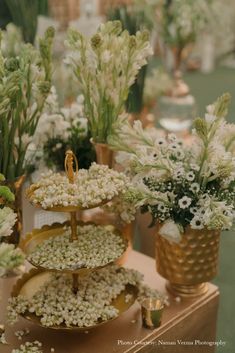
[[29, 347], [91, 188], [96, 246]]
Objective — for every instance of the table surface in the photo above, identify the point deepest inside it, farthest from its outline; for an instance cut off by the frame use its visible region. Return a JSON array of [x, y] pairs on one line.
[[124, 334]]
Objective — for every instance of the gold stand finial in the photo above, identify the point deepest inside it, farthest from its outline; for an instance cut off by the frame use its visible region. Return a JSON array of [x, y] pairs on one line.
[[70, 158]]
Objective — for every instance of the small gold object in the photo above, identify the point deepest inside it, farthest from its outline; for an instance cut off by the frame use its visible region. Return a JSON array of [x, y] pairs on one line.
[[152, 310], [104, 155], [69, 161]]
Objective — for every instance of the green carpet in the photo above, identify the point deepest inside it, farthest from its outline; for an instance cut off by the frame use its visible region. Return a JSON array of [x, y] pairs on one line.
[[206, 88]]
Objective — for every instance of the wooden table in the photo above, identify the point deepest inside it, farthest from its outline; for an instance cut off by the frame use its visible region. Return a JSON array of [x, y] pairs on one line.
[[188, 320]]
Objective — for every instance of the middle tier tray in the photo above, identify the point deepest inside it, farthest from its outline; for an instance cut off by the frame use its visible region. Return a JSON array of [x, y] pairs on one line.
[[49, 248]]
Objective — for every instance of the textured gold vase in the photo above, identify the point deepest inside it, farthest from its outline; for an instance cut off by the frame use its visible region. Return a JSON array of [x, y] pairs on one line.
[[189, 264]]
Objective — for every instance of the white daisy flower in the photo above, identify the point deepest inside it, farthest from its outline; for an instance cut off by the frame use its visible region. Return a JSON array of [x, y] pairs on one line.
[[190, 176], [161, 207], [161, 142], [185, 202], [196, 223], [193, 210], [195, 187]]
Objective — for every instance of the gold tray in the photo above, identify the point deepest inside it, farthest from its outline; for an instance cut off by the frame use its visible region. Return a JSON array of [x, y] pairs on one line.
[[29, 194], [37, 236], [29, 284]]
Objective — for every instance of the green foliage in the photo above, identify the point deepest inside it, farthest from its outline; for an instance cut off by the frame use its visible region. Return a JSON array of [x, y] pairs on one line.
[[6, 193], [133, 19], [55, 149]]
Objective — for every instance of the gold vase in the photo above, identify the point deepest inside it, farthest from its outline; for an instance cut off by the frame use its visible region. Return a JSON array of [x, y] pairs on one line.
[[16, 187], [189, 264], [104, 155]]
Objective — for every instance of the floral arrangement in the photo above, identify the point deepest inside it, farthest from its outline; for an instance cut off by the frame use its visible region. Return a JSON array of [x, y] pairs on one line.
[[183, 185], [96, 246], [25, 83], [91, 304], [91, 187], [10, 257], [106, 66], [180, 21], [60, 129]]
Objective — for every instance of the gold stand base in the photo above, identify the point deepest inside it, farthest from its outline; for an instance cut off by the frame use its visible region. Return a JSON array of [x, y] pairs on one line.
[[187, 291]]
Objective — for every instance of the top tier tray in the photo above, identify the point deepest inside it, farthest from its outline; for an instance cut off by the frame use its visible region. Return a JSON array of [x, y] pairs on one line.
[[78, 189]]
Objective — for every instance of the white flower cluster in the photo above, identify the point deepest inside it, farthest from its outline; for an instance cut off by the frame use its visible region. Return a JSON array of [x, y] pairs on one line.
[[91, 187], [21, 333], [178, 184], [7, 221], [29, 347], [10, 258], [125, 210], [58, 122], [96, 246], [55, 302], [3, 338]]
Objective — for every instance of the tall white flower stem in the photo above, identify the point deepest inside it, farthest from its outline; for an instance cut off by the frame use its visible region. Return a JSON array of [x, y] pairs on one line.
[[106, 66]]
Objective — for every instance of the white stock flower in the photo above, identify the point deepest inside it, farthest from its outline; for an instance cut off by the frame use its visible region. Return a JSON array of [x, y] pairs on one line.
[[170, 231], [7, 221]]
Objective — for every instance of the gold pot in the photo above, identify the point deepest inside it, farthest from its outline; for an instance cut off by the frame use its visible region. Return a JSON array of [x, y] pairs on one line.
[[189, 264], [104, 155]]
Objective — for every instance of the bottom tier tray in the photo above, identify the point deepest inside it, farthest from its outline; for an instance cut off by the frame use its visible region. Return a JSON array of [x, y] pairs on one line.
[[32, 282]]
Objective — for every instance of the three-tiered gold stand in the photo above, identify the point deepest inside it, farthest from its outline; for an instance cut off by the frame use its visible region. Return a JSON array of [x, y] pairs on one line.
[[30, 283]]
